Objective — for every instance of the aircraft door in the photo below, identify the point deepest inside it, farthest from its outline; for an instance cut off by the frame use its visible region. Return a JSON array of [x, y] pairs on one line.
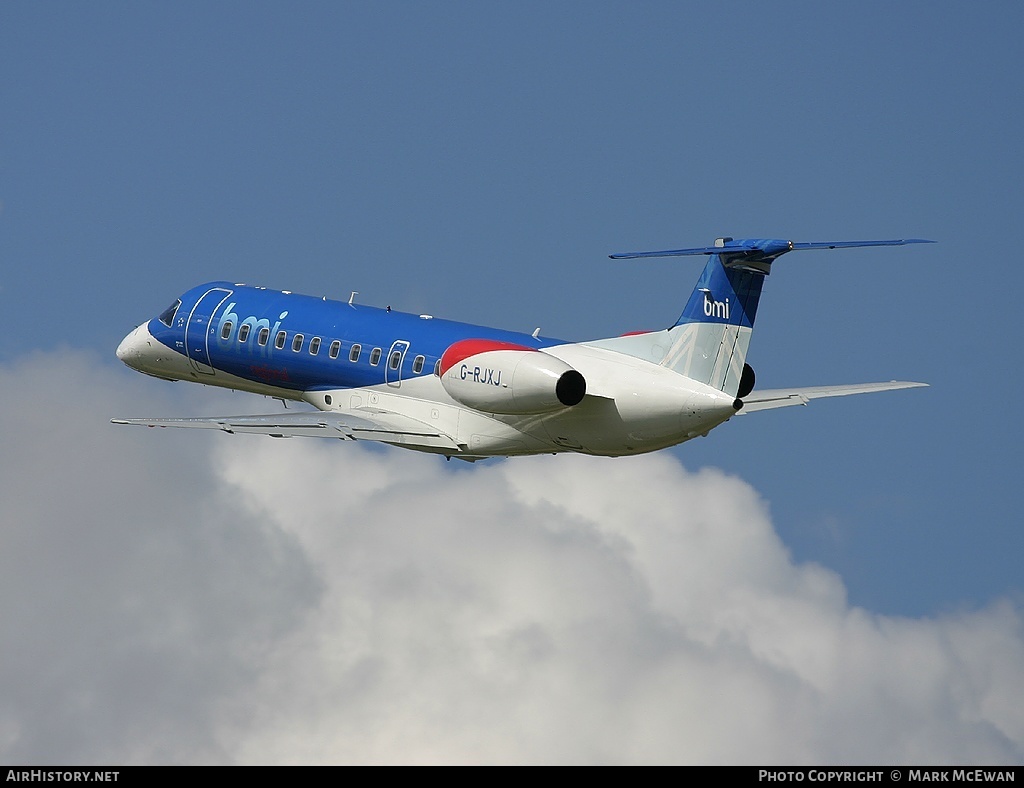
[[200, 326], [393, 370]]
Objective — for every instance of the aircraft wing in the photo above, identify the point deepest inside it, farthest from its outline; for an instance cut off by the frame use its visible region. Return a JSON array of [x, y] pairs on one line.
[[366, 425], [784, 398]]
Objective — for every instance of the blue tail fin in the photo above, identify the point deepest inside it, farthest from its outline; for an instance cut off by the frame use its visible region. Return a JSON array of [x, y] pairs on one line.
[[709, 341]]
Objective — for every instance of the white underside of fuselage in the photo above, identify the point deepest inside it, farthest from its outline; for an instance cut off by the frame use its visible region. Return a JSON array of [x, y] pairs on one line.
[[632, 405]]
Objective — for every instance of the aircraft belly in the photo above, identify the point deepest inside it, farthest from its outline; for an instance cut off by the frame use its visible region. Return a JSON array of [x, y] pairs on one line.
[[598, 426], [500, 435], [425, 400], [637, 406]]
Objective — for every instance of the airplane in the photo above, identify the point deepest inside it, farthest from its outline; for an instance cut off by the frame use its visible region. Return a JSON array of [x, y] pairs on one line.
[[471, 392]]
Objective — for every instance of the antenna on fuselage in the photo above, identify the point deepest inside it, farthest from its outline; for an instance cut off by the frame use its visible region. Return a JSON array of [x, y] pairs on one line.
[[352, 297]]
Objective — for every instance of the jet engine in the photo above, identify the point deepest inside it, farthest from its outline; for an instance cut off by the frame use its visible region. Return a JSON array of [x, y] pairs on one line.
[[503, 377]]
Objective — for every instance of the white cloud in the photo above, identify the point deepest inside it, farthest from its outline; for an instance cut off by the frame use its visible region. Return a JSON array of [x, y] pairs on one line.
[[187, 597]]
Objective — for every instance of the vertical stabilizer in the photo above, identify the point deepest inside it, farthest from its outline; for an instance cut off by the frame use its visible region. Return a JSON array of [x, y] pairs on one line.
[[709, 341]]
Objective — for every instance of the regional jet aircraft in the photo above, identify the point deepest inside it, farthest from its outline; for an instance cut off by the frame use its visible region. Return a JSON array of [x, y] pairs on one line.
[[472, 392]]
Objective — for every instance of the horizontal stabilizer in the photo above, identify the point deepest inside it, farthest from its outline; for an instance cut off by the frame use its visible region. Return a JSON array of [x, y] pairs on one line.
[[784, 398], [764, 247], [801, 245], [378, 426]]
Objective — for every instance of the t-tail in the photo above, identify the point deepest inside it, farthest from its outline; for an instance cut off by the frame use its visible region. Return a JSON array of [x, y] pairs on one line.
[[709, 341]]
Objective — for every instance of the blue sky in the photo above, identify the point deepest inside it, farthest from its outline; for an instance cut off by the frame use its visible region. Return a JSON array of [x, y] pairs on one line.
[[479, 161]]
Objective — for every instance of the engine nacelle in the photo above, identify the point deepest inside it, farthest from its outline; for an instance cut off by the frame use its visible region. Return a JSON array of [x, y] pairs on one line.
[[746, 381], [502, 377]]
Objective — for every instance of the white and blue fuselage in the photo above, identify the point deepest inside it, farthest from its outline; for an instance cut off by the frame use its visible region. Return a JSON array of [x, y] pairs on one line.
[[470, 391], [345, 357]]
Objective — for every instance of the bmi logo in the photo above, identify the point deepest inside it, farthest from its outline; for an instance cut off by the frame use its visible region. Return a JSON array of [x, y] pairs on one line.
[[713, 308]]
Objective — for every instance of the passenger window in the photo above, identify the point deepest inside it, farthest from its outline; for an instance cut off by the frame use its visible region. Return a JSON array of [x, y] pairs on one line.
[[335, 348], [375, 356], [395, 360], [167, 316], [314, 346], [297, 343], [353, 354], [417, 365], [226, 331], [243, 332], [437, 368], [263, 337], [279, 340]]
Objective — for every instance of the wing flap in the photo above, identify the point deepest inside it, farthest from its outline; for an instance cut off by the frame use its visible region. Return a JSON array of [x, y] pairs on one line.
[[381, 426], [784, 398]]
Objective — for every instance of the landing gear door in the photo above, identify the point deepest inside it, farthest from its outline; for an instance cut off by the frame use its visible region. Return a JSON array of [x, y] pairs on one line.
[[201, 327]]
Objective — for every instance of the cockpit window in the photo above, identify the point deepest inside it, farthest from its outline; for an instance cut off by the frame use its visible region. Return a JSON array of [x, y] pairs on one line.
[[167, 316]]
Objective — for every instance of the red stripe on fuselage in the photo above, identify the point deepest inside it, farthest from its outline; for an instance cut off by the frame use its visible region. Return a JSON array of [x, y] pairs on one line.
[[464, 348]]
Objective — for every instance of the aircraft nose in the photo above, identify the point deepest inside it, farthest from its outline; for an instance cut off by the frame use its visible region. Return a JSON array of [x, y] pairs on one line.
[[133, 346], [122, 349]]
